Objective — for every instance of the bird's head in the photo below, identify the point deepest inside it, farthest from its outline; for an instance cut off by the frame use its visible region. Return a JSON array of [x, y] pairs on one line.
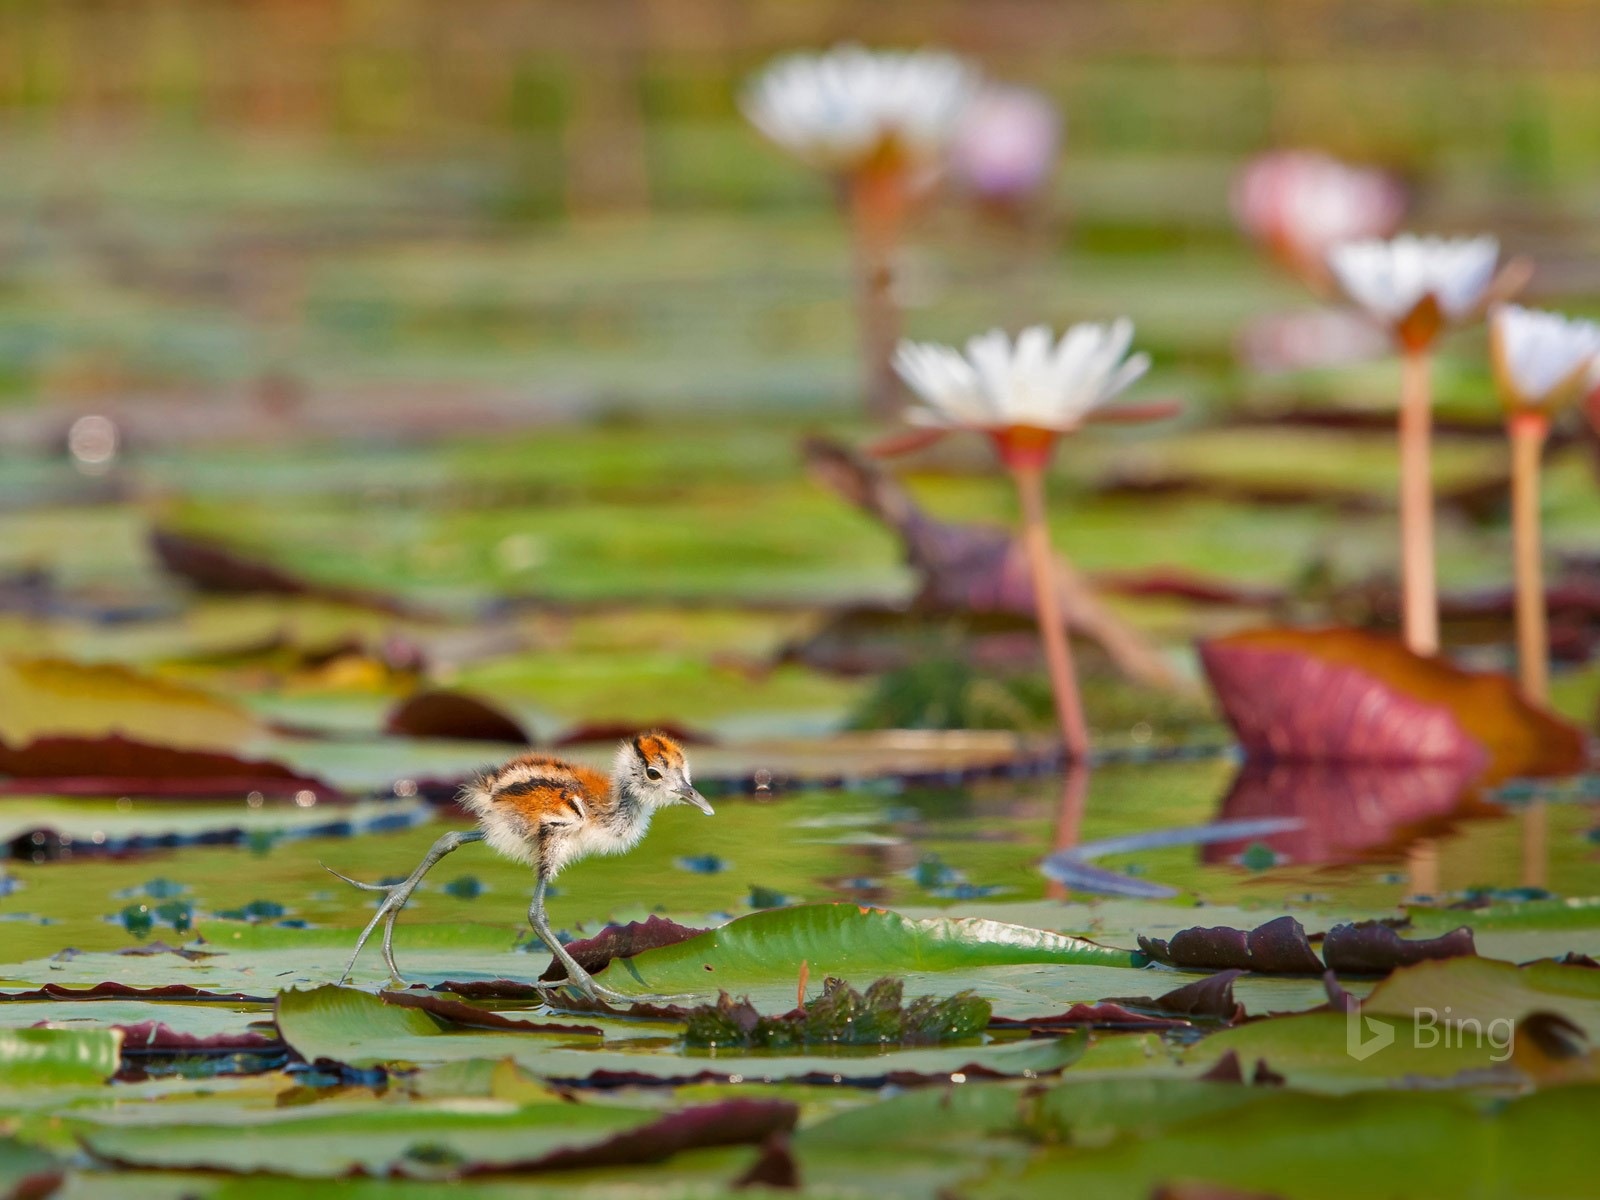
[[655, 770]]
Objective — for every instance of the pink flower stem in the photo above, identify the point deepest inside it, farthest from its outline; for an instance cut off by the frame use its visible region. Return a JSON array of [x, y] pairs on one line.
[[1029, 478], [1418, 586], [1528, 432], [878, 196]]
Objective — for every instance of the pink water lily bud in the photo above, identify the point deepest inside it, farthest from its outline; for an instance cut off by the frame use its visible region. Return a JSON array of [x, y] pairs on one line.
[[1299, 204], [1007, 145]]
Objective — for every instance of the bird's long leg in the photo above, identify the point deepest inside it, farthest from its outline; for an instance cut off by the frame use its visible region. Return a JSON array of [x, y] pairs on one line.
[[576, 976], [397, 895]]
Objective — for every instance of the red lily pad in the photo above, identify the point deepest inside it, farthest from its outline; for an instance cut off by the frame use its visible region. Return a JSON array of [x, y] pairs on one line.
[[1108, 1014], [729, 1123], [1340, 695], [111, 990], [774, 1167], [592, 732], [157, 1037], [118, 766], [1279, 947], [468, 1016], [1373, 948], [621, 941], [455, 716], [1210, 998], [211, 566]]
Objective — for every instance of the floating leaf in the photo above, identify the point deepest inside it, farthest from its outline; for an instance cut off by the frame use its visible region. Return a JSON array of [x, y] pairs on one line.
[[455, 716], [621, 941], [1373, 948], [1340, 695], [57, 1057], [52, 697], [849, 942], [1484, 990], [118, 766], [27, 1172], [1278, 947]]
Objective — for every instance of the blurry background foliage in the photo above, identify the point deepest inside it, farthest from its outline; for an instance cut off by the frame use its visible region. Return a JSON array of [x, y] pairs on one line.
[[200, 194]]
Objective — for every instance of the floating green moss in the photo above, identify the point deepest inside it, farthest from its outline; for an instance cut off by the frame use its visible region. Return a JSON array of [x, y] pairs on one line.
[[842, 1016]]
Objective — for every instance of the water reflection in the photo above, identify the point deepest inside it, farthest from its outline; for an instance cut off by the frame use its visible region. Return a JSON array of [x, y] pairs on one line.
[[1349, 812], [1069, 819]]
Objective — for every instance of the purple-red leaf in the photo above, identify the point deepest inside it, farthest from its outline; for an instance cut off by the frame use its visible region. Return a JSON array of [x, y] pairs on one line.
[[1208, 998], [467, 1016], [111, 990], [729, 1123], [1279, 948], [117, 766], [1372, 948], [620, 941], [455, 716], [1108, 1014], [1340, 695]]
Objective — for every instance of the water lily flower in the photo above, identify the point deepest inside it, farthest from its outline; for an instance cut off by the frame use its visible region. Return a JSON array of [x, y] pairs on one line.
[[881, 122], [1541, 361], [1415, 287], [1299, 204], [850, 107], [1024, 395]]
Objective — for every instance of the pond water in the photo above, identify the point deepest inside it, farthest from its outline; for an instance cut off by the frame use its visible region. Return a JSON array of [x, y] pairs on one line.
[[136, 870]]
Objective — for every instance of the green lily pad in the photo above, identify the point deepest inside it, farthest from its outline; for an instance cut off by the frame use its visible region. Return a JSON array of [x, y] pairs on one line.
[[849, 941], [57, 1057], [1484, 990]]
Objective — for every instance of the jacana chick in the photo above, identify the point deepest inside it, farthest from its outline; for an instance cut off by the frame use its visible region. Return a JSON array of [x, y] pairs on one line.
[[547, 812]]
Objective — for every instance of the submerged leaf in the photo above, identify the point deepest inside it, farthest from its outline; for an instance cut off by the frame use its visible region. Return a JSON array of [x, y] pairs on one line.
[[841, 1016]]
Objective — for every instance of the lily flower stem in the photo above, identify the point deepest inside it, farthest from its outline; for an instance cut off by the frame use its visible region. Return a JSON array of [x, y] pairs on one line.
[[877, 197], [1029, 479], [1528, 432], [1418, 585]]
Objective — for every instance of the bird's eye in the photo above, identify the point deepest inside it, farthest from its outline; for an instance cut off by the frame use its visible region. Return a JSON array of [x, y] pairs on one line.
[[652, 773]]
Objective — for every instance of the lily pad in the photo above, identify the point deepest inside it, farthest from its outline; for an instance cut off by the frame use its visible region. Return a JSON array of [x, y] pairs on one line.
[[57, 1057], [850, 942], [1340, 695]]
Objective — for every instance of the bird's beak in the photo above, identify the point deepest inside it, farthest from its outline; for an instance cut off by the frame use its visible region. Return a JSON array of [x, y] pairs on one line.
[[690, 796]]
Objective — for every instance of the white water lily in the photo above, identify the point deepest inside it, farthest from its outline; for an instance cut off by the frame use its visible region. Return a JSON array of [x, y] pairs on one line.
[[841, 109], [1541, 357], [1391, 279], [1036, 382], [1302, 203]]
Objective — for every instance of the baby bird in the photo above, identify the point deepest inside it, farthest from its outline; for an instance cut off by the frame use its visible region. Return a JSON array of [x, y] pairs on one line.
[[547, 813]]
